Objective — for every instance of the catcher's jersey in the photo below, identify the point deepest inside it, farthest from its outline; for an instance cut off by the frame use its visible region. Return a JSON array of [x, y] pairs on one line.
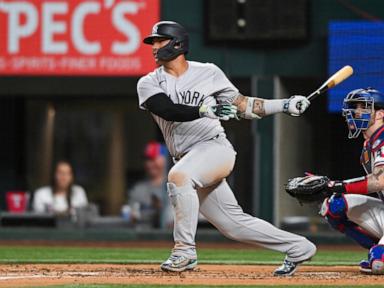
[[373, 154], [201, 83]]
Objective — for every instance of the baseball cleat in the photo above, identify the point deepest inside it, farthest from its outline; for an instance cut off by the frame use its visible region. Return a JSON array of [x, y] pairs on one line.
[[178, 263], [288, 268], [377, 267], [376, 259], [365, 267], [375, 262]]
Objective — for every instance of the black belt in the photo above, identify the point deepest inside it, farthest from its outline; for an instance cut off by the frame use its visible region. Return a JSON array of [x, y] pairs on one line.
[[179, 157]]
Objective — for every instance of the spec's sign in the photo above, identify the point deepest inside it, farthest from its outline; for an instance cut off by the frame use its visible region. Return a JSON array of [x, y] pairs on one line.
[[76, 37]]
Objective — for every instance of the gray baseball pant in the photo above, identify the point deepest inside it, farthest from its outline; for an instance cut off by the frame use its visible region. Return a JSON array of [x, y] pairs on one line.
[[197, 182], [368, 213]]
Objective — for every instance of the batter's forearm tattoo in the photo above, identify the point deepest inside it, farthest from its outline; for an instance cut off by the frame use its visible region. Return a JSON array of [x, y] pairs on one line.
[[241, 103], [376, 180], [258, 107]]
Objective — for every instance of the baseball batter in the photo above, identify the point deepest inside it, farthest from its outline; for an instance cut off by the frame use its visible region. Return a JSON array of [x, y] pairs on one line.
[[356, 206], [187, 100]]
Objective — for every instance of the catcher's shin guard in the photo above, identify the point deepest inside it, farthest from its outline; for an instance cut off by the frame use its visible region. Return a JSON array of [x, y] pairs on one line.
[[335, 210]]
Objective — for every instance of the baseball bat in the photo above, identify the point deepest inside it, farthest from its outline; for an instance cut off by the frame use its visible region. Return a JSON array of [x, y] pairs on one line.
[[335, 79]]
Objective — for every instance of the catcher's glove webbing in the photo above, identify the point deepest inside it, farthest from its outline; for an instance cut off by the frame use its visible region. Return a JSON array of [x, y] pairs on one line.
[[309, 189]]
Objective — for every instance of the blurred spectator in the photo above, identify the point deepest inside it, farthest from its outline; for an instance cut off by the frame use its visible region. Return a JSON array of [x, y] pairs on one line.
[[148, 199], [62, 196]]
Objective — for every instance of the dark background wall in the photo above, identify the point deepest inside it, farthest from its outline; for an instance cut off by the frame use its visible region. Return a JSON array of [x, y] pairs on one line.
[[304, 61]]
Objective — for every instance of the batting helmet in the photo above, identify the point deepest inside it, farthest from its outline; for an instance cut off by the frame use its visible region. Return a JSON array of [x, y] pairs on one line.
[[173, 31]]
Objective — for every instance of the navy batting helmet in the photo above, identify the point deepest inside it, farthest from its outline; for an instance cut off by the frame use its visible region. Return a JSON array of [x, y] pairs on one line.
[[173, 31]]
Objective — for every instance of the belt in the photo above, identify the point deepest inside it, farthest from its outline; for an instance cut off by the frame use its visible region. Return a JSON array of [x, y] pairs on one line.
[[178, 158]]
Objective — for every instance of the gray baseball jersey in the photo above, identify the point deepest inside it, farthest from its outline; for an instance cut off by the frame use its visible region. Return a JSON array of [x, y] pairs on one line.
[[201, 83]]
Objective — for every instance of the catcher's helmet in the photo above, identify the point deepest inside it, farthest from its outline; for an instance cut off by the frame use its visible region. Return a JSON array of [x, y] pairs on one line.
[[170, 30], [368, 100]]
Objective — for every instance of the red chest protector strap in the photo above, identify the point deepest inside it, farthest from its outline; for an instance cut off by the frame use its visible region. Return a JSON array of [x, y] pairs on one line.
[[377, 140]]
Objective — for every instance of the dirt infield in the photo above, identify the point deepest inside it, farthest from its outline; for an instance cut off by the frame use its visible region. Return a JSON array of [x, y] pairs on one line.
[[53, 274]]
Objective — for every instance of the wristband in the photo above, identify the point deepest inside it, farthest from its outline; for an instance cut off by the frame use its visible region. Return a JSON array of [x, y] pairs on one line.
[[274, 106], [356, 185]]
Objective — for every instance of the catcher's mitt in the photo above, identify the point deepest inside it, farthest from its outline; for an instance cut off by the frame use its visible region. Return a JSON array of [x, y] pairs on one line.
[[309, 189]]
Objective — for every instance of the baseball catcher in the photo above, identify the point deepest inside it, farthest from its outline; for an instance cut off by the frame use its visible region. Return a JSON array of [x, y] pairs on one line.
[[355, 207]]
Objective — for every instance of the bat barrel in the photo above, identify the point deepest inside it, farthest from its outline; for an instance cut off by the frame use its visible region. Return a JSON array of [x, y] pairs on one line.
[[335, 79]]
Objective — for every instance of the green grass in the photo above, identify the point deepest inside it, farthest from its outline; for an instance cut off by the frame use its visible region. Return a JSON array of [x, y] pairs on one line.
[[17, 254]]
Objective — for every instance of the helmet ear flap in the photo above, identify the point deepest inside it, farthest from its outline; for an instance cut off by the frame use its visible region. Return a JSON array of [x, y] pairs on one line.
[[178, 45], [181, 45], [169, 51]]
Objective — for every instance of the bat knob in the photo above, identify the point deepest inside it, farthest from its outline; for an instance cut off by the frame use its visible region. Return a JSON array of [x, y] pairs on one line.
[[298, 106]]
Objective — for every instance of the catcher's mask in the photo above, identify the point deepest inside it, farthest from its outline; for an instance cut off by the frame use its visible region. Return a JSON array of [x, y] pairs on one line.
[[358, 108]]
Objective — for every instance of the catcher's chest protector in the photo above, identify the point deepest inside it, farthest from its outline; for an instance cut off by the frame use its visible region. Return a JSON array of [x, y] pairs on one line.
[[373, 154], [370, 148]]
